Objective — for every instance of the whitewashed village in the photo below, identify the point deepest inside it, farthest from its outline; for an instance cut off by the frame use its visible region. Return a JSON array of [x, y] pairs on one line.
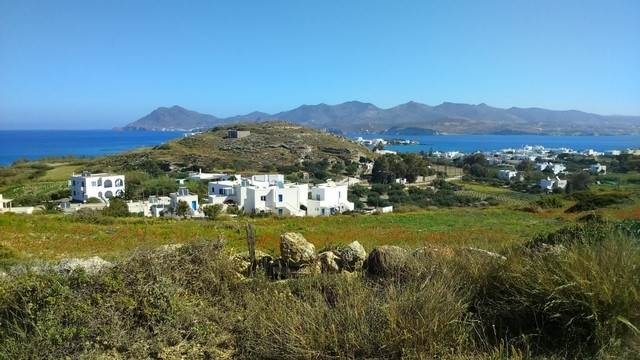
[[271, 194]]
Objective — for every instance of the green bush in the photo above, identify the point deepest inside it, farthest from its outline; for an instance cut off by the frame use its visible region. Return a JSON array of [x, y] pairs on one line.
[[117, 208], [550, 202], [592, 201]]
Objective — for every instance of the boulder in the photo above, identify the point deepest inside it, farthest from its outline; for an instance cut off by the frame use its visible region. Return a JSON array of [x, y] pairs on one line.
[[329, 262], [312, 268], [242, 261], [385, 261], [295, 250], [353, 256], [91, 265]]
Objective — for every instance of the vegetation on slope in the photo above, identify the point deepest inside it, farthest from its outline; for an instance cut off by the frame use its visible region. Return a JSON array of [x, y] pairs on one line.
[[271, 146]]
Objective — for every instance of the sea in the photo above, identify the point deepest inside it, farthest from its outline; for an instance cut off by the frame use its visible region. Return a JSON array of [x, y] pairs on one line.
[[35, 144]]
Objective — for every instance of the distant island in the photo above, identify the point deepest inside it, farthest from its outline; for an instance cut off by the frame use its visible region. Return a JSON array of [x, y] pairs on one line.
[[411, 118]]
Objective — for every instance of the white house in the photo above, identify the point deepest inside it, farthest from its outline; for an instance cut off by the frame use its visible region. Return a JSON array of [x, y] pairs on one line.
[[183, 195], [281, 199], [506, 174], [328, 199], [267, 179], [224, 191], [555, 168], [102, 186], [154, 206], [5, 204], [199, 175], [598, 169], [549, 184]]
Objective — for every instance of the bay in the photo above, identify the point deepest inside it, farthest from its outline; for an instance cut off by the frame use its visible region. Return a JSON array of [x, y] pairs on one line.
[[471, 143], [36, 144]]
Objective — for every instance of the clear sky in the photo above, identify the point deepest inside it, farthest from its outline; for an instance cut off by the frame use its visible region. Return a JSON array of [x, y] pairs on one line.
[[98, 64]]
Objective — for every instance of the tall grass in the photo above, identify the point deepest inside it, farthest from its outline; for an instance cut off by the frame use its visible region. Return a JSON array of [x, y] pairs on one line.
[[581, 301]]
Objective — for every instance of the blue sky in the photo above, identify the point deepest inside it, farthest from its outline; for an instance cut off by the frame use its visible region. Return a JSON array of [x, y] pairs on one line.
[[98, 64]]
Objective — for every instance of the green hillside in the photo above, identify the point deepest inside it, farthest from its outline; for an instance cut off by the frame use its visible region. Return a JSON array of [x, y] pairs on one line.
[[270, 146]]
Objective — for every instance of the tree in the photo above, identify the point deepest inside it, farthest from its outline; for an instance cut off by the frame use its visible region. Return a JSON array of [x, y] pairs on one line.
[[478, 170], [415, 165], [213, 211], [525, 165], [117, 208], [578, 182], [182, 208]]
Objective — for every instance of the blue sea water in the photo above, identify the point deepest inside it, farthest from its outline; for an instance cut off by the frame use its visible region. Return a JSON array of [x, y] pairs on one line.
[[470, 143], [35, 144]]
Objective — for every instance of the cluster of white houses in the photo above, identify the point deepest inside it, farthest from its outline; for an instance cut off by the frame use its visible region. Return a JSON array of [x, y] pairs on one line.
[[257, 194], [549, 183], [269, 193]]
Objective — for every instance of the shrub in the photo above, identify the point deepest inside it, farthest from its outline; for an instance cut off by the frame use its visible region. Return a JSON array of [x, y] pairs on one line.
[[550, 202], [117, 208], [212, 211], [591, 201]]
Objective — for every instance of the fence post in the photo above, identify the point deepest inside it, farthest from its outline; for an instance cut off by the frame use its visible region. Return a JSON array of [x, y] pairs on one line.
[[251, 245]]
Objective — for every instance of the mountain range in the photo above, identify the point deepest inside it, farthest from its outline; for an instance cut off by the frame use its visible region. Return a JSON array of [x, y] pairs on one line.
[[408, 118]]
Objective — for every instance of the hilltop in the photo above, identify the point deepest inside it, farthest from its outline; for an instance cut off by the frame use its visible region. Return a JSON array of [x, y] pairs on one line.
[[270, 146], [419, 118]]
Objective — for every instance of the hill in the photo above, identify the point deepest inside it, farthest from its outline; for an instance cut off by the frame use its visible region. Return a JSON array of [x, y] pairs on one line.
[[270, 146], [444, 118], [173, 118]]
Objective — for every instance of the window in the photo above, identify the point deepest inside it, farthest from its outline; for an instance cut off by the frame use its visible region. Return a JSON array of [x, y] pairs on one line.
[[221, 191], [73, 182], [108, 183], [263, 198], [93, 183], [280, 197], [74, 193], [119, 182]]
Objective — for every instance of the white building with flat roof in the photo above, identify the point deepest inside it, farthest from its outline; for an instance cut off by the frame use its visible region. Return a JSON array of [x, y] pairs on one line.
[[506, 174], [102, 186], [328, 199], [598, 169], [183, 195]]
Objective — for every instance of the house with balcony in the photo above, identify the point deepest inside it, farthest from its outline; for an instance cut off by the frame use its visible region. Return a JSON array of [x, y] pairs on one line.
[[102, 186]]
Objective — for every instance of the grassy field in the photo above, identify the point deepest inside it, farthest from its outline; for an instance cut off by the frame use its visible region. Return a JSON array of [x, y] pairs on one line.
[[57, 236]]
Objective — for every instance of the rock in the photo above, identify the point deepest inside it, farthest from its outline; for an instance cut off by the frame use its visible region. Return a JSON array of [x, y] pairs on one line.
[[485, 252], [296, 250], [312, 268], [91, 265], [353, 256], [385, 260], [329, 262], [242, 261]]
